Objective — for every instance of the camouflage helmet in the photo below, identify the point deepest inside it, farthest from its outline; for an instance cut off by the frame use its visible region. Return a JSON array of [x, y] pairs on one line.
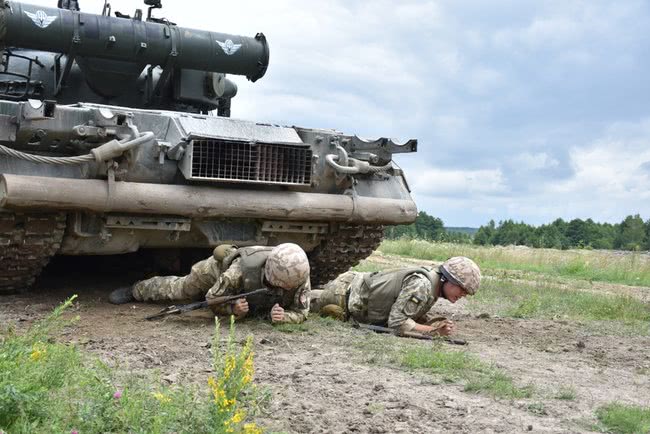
[[463, 272], [222, 251], [287, 266]]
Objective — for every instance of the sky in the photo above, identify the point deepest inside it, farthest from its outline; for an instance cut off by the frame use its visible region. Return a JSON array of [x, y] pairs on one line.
[[525, 110]]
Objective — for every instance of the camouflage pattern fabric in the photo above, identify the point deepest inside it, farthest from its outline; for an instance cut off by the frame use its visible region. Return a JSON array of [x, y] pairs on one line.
[[230, 282], [193, 287], [412, 305], [206, 279], [287, 266], [333, 292], [465, 272]]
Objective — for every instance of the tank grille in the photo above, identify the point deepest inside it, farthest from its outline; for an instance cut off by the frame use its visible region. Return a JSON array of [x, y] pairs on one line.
[[269, 163]]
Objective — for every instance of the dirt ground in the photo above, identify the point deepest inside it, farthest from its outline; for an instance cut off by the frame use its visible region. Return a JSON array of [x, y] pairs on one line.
[[322, 380]]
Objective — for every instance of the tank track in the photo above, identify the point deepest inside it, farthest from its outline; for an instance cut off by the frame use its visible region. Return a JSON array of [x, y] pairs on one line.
[[27, 242], [343, 249]]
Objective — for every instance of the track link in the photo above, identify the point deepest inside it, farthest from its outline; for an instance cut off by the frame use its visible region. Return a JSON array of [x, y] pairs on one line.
[[343, 249], [27, 242]]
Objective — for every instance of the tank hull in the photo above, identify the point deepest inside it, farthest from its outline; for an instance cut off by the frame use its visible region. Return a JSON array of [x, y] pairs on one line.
[[202, 181]]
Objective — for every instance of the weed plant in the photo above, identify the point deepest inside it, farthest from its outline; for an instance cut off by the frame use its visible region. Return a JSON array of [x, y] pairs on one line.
[[595, 265], [50, 387], [566, 393], [624, 419]]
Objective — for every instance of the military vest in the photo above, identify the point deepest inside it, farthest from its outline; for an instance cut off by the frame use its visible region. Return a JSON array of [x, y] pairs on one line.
[[252, 264], [384, 288]]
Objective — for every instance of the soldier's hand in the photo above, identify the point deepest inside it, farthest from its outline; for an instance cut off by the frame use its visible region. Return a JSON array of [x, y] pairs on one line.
[[445, 328], [277, 313], [240, 307]]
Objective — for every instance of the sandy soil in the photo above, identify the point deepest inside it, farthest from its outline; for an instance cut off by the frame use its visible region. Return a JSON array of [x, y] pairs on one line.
[[323, 380]]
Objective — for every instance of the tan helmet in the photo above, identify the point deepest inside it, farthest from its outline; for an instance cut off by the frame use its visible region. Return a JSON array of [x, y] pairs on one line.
[[463, 272], [222, 251], [287, 266]]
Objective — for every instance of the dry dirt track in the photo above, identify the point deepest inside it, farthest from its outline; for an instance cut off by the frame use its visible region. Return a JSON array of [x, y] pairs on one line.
[[322, 380]]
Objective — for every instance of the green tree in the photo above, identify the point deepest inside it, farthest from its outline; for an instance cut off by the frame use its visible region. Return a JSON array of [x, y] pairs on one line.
[[425, 227], [631, 233], [485, 234]]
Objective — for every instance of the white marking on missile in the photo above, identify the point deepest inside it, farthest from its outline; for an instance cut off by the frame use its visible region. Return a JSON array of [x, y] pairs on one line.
[[229, 47], [41, 19]]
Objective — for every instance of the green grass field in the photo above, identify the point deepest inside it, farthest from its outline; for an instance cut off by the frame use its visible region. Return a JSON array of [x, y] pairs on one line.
[[604, 266]]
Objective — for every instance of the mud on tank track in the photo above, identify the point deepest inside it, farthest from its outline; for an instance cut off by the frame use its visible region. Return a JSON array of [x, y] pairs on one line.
[[27, 242], [342, 250]]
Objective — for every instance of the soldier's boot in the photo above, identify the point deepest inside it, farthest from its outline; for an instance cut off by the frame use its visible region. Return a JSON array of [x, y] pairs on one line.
[[333, 311], [122, 295]]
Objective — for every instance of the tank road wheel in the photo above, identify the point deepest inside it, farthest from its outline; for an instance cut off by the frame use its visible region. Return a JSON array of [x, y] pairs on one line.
[[27, 242], [343, 249]]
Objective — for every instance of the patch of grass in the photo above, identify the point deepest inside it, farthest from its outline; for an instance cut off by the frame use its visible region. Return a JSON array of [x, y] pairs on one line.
[[541, 300], [624, 419], [497, 383], [643, 371], [594, 265], [537, 408], [366, 266], [47, 386], [449, 366], [566, 393], [293, 328], [327, 322], [378, 349], [375, 408]]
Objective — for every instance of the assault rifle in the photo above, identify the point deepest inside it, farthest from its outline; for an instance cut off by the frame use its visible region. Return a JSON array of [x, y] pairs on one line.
[[412, 335], [182, 308]]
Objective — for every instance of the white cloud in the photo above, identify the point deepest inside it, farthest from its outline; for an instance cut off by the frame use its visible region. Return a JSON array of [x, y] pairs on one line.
[[538, 161], [441, 182]]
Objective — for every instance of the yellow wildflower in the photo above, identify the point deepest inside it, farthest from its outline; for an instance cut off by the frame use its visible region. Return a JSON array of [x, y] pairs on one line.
[[237, 417], [230, 366], [226, 403], [37, 354], [247, 368], [251, 428], [161, 397]]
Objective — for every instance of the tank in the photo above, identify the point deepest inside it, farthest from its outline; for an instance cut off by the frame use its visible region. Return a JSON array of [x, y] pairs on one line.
[[116, 137]]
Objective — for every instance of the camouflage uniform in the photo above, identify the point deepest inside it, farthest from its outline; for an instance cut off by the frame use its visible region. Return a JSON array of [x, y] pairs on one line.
[[203, 276], [412, 305], [231, 282], [213, 278]]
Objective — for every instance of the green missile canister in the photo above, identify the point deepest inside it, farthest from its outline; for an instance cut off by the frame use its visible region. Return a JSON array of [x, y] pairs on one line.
[[131, 40]]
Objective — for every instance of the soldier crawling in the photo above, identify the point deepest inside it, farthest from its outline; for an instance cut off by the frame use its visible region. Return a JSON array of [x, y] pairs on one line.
[[231, 271], [400, 299]]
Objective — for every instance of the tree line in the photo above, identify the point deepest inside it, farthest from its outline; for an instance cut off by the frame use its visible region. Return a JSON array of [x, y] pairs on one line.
[[633, 233], [428, 228]]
